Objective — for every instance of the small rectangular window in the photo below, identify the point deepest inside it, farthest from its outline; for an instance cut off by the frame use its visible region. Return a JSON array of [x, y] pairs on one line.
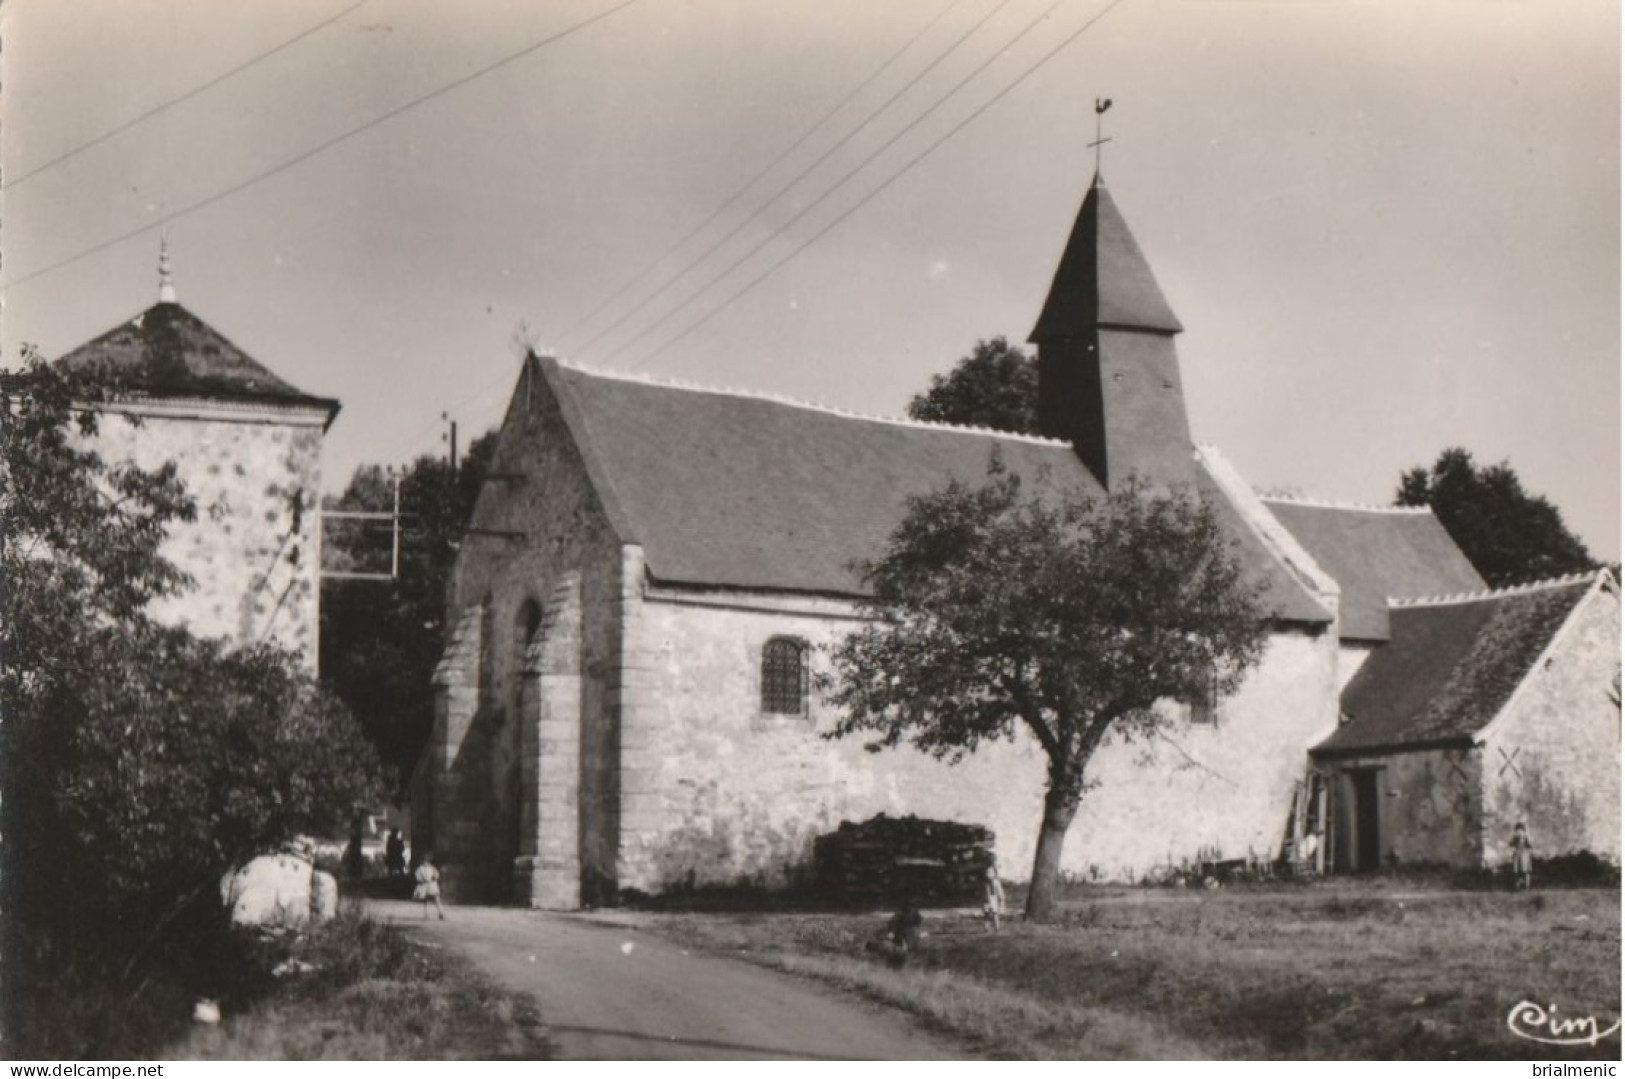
[[784, 677], [1205, 708]]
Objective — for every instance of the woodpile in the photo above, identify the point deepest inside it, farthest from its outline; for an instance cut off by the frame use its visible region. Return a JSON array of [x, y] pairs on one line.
[[889, 859]]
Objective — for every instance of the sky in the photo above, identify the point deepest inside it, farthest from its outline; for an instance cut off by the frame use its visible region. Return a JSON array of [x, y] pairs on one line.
[[1388, 226]]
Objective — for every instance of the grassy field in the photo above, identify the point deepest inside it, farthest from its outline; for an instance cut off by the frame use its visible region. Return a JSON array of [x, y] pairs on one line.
[[1360, 970], [372, 994]]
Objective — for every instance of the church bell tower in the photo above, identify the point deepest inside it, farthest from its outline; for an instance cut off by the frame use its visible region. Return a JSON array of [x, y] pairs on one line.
[[1108, 375]]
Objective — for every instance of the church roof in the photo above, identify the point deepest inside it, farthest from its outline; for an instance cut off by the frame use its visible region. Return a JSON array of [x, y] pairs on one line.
[[1103, 278], [168, 351], [734, 490], [1375, 553], [1451, 666]]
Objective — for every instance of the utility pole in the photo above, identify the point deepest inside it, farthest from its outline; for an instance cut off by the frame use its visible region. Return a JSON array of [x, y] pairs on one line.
[[453, 440], [395, 529], [393, 515]]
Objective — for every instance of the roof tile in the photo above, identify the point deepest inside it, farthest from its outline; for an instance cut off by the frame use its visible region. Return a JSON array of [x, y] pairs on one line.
[[1450, 667], [1377, 553], [166, 350], [739, 491]]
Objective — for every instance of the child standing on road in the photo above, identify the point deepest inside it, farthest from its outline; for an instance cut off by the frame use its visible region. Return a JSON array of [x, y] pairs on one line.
[[428, 885], [1523, 858], [993, 898]]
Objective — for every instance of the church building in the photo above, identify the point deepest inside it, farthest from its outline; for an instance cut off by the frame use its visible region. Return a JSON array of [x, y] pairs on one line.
[[653, 571], [248, 447]]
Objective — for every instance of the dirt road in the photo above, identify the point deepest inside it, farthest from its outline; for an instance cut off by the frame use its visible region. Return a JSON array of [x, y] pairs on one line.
[[607, 993]]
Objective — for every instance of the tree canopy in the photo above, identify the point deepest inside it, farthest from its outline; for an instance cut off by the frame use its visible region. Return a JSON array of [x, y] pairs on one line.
[[1509, 535], [995, 613], [380, 640], [995, 386], [139, 763]]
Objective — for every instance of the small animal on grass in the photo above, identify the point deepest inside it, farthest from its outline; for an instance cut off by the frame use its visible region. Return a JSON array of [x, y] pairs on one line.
[[428, 885], [902, 935], [1523, 857], [993, 899]]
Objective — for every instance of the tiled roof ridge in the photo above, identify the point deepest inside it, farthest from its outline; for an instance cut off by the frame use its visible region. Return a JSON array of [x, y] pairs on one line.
[[811, 406], [1336, 504], [1550, 583]]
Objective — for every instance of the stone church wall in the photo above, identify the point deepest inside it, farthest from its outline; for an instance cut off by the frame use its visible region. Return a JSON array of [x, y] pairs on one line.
[[1553, 759], [540, 556], [1224, 788], [254, 549], [739, 795]]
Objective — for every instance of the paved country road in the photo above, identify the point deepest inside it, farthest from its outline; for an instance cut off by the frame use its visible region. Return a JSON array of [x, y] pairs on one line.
[[610, 993]]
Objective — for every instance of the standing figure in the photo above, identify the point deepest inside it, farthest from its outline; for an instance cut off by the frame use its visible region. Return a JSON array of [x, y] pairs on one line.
[[1523, 857], [428, 885], [993, 898], [395, 853]]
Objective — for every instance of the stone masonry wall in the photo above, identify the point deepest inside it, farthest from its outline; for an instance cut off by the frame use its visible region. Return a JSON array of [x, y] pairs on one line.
[[511, 733], [1429, 808], [729, 794], [254, 549], [1553, 759]]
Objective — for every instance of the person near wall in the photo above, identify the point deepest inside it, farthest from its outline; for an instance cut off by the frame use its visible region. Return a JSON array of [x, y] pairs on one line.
[[1523, 857], [993, 898], [427, 878], [395, 853]]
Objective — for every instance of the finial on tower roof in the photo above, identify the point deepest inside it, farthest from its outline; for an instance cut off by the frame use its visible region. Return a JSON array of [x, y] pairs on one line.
[[1101, 105], [166, 280]]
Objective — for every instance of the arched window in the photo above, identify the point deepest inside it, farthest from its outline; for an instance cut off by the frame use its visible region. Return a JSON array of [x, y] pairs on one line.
[[784, 677], [526, 621]]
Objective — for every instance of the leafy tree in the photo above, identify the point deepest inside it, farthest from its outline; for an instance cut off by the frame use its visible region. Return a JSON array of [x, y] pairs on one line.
[[380, 641], [79, 537], [995, 386], [174, 760], [994, 613], [1509, 535], [138, 762]]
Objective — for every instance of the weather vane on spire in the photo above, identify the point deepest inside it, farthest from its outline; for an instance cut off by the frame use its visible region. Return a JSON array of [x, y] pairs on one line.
[[166, 281], [1101, 105]]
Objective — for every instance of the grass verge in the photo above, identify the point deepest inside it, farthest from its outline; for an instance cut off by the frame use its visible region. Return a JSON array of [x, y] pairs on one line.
[[371, 993], [1323, 972]]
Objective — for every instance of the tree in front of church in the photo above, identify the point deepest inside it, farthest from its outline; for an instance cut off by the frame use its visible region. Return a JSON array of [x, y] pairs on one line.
[[1509, 535], [995, 386], [995, 613]]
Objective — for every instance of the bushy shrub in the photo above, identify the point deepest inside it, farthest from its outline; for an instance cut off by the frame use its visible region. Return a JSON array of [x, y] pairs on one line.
[[138, 763]]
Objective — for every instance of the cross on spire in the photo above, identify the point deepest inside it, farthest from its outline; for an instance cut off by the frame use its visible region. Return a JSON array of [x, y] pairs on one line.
[[1101, 105]]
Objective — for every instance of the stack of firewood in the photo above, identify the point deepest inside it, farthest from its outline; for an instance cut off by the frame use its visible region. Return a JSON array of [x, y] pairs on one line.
[[889, 859]]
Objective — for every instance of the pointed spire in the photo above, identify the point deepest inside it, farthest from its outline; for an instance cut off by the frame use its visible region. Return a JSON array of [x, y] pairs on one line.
[[1103, 278], [166, 280]]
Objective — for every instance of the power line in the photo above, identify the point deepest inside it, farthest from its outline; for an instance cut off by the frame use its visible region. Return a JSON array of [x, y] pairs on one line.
[[754, 180], [172, 102], [301, 158], [491, 385], [803, 174], [921, 156], [804, 211]]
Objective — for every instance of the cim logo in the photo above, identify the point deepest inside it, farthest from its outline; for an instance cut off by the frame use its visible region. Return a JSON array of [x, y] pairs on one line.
[[1530, 1021]]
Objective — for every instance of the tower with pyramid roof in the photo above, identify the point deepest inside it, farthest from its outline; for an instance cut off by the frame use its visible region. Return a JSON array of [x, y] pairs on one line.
[[248, 446], [1108, 372]]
